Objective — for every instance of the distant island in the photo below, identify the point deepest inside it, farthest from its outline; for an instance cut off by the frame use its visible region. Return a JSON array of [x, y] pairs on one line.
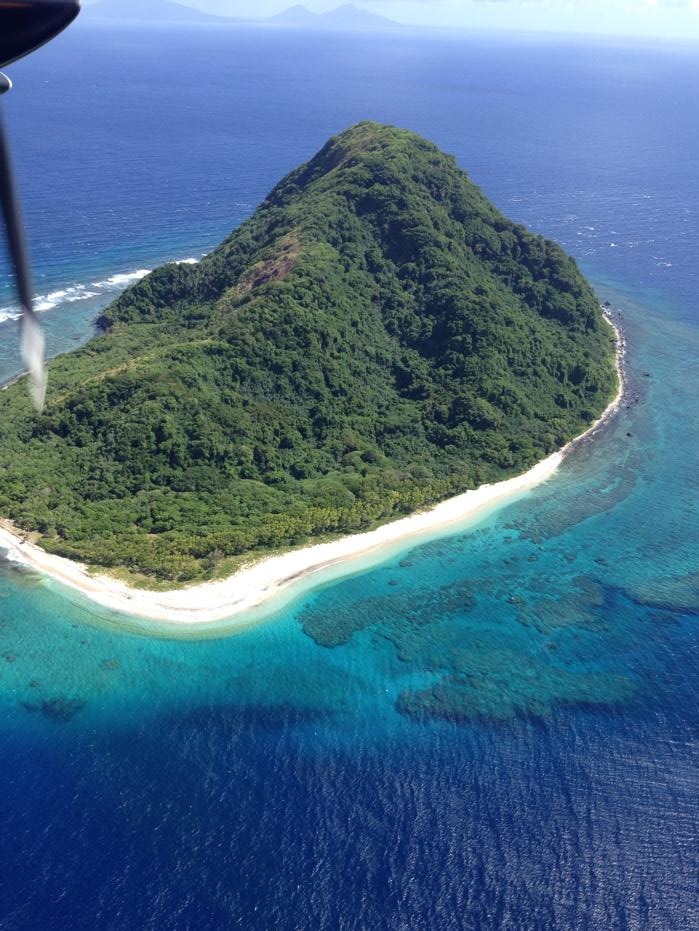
[[169, 12], [376, 338]]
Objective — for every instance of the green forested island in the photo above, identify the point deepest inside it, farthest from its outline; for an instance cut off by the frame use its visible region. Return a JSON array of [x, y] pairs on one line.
[[376, 337]]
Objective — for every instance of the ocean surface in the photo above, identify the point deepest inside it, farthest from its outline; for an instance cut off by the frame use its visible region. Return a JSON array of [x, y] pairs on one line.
[[497, 730]]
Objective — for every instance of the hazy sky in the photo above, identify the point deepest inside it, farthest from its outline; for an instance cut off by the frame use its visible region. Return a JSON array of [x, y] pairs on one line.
[[660, 18]]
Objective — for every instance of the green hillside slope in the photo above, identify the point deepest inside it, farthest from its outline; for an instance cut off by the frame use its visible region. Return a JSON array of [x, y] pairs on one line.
[[376, 337]]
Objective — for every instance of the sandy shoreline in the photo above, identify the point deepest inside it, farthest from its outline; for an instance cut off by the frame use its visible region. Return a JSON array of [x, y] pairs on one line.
[[232, 598]]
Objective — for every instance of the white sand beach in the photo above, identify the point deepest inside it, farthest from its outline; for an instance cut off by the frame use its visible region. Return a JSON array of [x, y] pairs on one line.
[[260, 583]]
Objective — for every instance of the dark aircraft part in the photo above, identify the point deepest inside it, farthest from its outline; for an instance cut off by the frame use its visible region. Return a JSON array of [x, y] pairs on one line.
[[15, 232], [27, 24], [24, 26], [32, 339]]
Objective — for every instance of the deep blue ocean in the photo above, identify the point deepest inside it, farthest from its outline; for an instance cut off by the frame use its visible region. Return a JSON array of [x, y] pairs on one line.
[[278, 778]]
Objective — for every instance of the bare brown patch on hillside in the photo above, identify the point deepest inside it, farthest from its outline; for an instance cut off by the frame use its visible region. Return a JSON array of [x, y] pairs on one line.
[[274, 268]]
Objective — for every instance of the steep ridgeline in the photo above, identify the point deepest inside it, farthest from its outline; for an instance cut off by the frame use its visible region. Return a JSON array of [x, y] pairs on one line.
[[376, 337]]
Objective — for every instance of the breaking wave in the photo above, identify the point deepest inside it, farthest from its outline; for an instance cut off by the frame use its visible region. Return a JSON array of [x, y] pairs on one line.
[[84, 292]]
